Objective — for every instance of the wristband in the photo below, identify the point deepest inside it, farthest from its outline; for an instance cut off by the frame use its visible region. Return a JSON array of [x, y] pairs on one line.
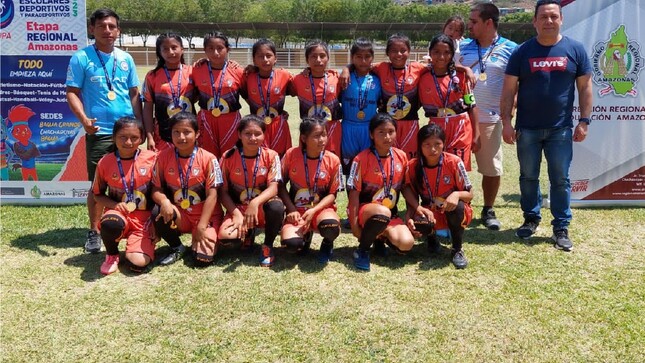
[[585, 120]]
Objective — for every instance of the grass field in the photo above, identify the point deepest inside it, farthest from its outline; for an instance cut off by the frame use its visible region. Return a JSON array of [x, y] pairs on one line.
[[518, 301]]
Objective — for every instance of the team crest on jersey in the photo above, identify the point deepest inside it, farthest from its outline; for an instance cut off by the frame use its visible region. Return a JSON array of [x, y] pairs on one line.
[[171, 171], [196, 171], [115, 177], [143, 171], [254, 91], [262, 170], [322, 174], [294, 171], [410, 80], [276, 90], [446, 179], [237, 171], [229, 82], [616, 64], [332, 89], [124, 66], [398, 167]]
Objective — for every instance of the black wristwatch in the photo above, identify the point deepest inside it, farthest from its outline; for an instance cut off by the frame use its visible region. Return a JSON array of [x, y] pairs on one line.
[[585, 120]]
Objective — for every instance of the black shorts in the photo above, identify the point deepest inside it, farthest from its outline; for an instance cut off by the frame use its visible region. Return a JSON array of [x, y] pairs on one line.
[[96, 146]]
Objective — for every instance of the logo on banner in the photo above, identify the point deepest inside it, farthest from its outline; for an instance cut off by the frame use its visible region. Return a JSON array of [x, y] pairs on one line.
[[616, 64], [7, 13]]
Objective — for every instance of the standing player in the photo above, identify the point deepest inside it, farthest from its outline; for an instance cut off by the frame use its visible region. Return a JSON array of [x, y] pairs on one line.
[[167, 90], [185, 182], [315, 177], [102, 86], [318, 93], [440, 180], [374, 182], [123, 185], [487, 54], [218, 82], [447, 100], [265, 91], [251, 175]]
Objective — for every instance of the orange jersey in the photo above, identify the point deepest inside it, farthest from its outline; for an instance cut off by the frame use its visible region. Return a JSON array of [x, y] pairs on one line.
[[329, 179], [258, 99], [268, 171], [366, 175], [329, 108], [108, 178], [432, 101], [166, 95], [391, 79], [435, 188], [229, 93], [205, 173]]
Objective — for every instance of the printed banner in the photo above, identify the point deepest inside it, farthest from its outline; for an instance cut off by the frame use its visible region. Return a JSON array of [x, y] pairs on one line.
[[43, 150], [609, 166]]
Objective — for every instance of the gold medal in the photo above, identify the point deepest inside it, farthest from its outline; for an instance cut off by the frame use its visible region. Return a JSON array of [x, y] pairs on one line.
[[360, 115], [216, 112], [483, 77], [268, 120], [185, 204], [388, 203], [131, 206], [111, 95], [398, 114]]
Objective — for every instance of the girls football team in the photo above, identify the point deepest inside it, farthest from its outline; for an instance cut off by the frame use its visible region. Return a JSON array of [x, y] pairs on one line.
[[178, 186]]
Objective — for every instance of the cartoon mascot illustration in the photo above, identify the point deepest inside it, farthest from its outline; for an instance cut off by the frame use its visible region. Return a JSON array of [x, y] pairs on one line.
[[26, 150], [5, 152]]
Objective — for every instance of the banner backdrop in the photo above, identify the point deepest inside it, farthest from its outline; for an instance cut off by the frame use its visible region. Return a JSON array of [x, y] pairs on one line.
[[609, 166], [43, 152]]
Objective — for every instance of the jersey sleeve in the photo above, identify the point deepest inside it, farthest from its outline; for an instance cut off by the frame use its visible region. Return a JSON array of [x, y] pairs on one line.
[[336, 176], [410, 176], [286, 163], [275, 169], [355, 180], [214, 173], [75, 72], [148, 90], [133, 78], [99, 185], [463, 182]]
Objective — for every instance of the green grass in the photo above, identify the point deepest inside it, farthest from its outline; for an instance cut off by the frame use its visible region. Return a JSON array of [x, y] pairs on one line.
[[518, 301], [46, 172]]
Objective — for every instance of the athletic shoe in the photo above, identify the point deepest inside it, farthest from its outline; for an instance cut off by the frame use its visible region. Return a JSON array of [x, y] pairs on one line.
[[305, 248], [326, 253], [362, 260], [489, 219], [379, 248], [434, 247], [266, 257], [459, 259], [175, 254], [93, 242], [110, 265], [527, 229], [561, 239], [344, 224]]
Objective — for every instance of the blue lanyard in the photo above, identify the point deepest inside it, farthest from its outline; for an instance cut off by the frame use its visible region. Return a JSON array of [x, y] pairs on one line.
[[266, 104], [249, 191], [482, 61], [399, 89], [441, 96], [129, 192], [312, 193], [427, 183], [175, 98], [386, 186], [363, 89], [107, 75], [184, 178], [217, 91], [318, 111]]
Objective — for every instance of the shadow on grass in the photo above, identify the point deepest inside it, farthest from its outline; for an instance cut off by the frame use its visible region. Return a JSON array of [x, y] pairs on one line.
[[58, 238], [478, 234], [90, 264]]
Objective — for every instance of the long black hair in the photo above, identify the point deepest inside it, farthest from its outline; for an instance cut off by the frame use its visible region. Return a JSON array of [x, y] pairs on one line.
[[427, 131], [183, 116], [452, 69], [378, 120], [308, 125], [160, 39], [124, 122], [244, 122], [217, 35]]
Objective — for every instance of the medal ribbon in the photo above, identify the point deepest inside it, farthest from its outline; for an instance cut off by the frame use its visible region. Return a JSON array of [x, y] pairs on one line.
[[436, 185], [482, 61], [217, 91], [312, 193], [129, 192], [441, 96], [386, 187], [107, 75], [175, 98], [399, 89], [363, 87], [317, 111], [255, 172], [266, 104], [184, 178]]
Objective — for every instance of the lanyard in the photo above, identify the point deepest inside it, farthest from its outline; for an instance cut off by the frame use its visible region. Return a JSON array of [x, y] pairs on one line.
[[317, 111], [175, 97], [482, 61], [107, 75], [363, 88], [217, 91], [183, 178], [129, 192], [266, 104], [386, 187], [441, 96], [436, 185], [249, 191], [399, 89], [312, 194]]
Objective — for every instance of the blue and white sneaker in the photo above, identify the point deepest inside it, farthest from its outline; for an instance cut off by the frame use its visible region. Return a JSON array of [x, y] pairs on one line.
[[362, 260]]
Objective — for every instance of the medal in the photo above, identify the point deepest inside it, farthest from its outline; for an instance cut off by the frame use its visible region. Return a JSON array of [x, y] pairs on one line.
[[363, 86], [247, 189], [216, 111], [185, 204], [130, 206], [268, 120], [266, 102], [185, 178], [174, 107], [388, 198], [445, 98], [360, 115], [482, 60], [216, 91], [483, 77], [313, 191], [400, 90], [388, 203], [432, 194], [318, 112], [111, 95]]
